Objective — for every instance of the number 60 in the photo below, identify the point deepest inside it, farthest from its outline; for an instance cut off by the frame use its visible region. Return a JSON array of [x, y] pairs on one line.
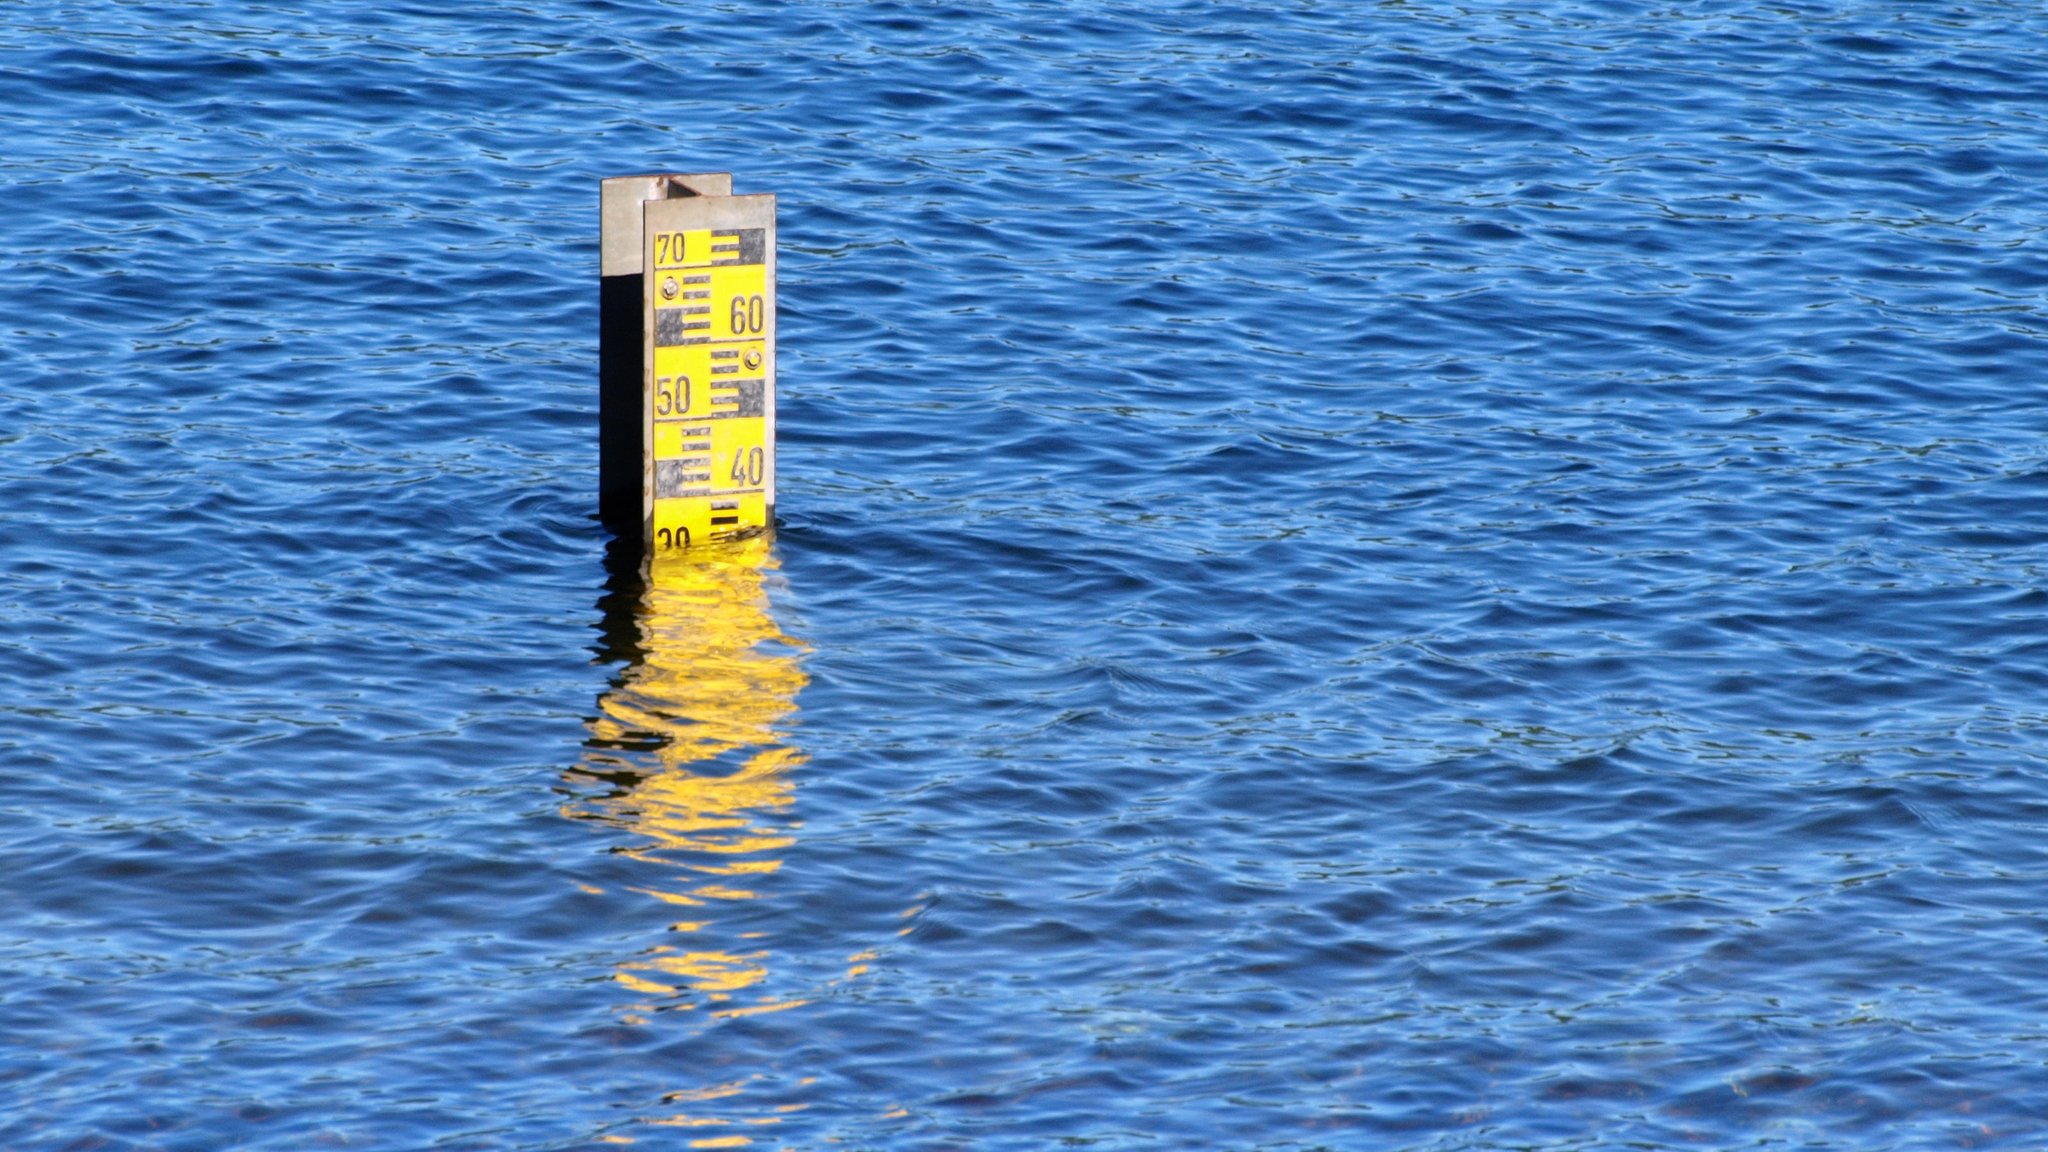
[[749, 314]]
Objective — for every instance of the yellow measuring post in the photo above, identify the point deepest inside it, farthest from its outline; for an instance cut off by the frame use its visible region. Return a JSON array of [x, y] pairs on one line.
[[706, 359]]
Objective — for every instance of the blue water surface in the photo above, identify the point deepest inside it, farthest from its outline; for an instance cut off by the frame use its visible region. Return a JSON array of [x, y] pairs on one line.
[[1352, 576]]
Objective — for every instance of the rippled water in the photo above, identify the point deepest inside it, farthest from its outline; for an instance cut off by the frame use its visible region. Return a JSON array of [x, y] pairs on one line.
[[1353, 576]]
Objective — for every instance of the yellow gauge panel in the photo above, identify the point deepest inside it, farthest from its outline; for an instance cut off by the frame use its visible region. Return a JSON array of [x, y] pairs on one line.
[[709, 393]]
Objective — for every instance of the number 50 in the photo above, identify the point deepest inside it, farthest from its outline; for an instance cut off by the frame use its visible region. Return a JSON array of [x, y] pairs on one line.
[[671, 395]]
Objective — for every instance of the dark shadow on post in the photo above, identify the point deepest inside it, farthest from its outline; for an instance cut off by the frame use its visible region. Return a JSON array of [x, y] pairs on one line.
[[620, 369]]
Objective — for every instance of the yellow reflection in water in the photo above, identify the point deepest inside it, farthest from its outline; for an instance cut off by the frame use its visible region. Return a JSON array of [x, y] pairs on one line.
[[691, 740]]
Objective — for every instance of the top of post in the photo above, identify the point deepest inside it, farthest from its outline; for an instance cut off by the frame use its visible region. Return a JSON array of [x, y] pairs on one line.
[[619, 204]]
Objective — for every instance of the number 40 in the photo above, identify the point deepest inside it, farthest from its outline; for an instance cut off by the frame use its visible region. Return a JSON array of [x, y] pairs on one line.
[[748, 465]]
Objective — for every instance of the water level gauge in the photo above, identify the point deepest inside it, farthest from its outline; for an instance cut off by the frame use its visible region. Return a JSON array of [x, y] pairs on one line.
[[706, 359]]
